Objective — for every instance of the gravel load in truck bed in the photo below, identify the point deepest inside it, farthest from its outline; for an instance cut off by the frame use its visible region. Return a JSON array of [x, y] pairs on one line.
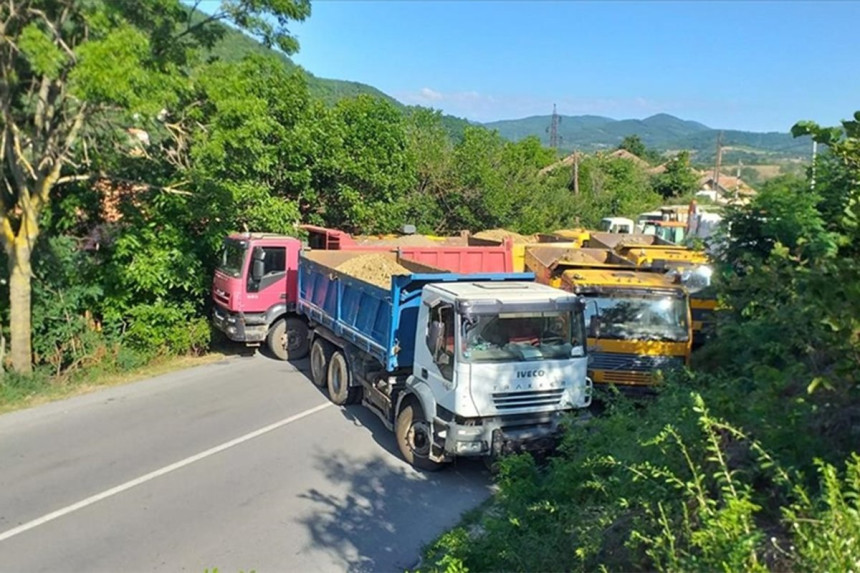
[[502, 234], [374, 268], [402, 241]]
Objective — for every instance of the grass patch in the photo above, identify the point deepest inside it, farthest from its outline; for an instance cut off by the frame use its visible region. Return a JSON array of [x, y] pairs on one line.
[[18, 392]]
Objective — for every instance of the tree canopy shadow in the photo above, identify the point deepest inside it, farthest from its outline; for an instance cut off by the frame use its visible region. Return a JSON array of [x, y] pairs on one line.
[[389, 511]]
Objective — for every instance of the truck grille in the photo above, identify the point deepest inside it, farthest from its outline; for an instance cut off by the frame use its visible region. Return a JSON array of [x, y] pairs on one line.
[[625, 378], [527, 399], [221, 296], [632, 362]]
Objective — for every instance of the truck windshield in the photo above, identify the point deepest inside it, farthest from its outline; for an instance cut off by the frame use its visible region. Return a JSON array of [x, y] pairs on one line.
[[519, 337], [637, 318], [233, 257]]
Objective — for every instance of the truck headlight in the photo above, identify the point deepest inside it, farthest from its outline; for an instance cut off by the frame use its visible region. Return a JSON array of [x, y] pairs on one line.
[[470, 447]]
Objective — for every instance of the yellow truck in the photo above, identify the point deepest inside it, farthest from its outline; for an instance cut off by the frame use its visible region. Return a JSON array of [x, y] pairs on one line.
[[638, 322], [649, 253], [567, 238]]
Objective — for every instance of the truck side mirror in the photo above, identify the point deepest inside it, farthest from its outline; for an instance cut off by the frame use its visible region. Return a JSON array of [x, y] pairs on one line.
[[258, 264]]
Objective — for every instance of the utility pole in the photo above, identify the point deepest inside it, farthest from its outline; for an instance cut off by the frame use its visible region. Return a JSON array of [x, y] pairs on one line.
[[575, 172], [738, 178], [718, 162], [814, 152], [553, 128]]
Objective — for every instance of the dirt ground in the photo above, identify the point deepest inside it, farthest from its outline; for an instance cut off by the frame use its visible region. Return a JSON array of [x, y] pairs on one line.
[[374, 268]]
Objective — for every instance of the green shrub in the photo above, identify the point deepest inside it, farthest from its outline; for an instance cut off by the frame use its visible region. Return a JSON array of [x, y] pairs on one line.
[[161, 328], [826, 530]]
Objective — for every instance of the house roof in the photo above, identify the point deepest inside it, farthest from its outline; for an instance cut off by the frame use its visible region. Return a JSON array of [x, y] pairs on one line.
[[728, 184], [564, 162], [624, 154]]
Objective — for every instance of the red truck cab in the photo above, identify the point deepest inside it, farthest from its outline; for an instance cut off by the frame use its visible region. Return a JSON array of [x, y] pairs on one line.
[[254, 293]]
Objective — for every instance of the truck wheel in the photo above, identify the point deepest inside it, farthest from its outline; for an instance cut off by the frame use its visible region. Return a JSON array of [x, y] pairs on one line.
[[321, 351], [339, 390], [414, 438], [288, 339]]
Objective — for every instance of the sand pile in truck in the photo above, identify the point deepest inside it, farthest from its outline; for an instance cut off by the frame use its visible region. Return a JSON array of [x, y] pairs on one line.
[[502, 234], [402, 241], [375, 268]]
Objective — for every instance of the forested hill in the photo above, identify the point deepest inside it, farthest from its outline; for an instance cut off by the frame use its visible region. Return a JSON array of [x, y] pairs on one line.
[[235, 45], [663, 132]]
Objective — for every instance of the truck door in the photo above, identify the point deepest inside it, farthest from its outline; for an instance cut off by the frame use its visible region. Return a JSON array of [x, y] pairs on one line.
[[271, 288], [443, 350]]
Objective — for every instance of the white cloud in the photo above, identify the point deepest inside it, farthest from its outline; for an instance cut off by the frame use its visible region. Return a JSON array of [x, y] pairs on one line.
[[430, 95]]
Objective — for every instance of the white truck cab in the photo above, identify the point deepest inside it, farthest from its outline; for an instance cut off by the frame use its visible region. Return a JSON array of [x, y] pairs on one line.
[[496, 366], [616, 225]]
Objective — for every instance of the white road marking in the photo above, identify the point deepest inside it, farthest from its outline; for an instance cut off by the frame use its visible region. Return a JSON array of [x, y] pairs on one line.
[[157, 473]]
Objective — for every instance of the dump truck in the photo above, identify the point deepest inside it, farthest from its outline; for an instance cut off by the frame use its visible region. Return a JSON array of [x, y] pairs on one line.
[[458, 254], [568, 239], [691, 267], [454, 364], [637, 322], [262, 310]]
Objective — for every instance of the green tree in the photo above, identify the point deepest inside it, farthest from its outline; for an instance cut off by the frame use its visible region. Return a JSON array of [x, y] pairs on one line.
[[634, 145], [365, 170], [71, 69], [431, 147], [678, 179]]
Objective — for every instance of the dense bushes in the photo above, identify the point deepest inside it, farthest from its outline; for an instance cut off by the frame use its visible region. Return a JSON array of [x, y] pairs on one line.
[[749, 462], [124, 262]]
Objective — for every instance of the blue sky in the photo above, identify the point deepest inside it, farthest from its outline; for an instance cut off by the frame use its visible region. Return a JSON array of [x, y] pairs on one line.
[[757, 66]]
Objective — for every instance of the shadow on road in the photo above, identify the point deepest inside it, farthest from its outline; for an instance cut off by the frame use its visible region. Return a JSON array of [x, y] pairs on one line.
[[389, 511]]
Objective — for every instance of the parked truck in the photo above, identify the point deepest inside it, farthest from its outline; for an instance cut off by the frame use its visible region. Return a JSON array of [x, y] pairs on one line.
[[455, 364], [637, 322], [262, 310], [691, 267]]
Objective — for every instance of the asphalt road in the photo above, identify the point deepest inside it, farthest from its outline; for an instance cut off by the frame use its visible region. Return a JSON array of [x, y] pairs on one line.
[[240, 465]]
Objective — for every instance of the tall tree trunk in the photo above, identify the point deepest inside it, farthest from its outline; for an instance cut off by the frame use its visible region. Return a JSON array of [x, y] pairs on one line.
[[19, 304]]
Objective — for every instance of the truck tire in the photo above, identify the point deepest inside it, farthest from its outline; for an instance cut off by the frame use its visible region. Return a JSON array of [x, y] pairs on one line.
[[321, 351], [414, 439], [288, 339], [339, 390]]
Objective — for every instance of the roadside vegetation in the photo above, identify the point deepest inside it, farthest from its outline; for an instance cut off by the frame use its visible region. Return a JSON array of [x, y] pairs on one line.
[[747, 463], [131, 150]]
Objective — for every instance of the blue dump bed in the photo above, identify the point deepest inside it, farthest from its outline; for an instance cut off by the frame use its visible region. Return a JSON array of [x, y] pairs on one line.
[[377, 320]]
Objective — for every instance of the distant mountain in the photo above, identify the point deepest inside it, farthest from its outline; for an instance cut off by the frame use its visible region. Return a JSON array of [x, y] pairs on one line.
[[663, 132]]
